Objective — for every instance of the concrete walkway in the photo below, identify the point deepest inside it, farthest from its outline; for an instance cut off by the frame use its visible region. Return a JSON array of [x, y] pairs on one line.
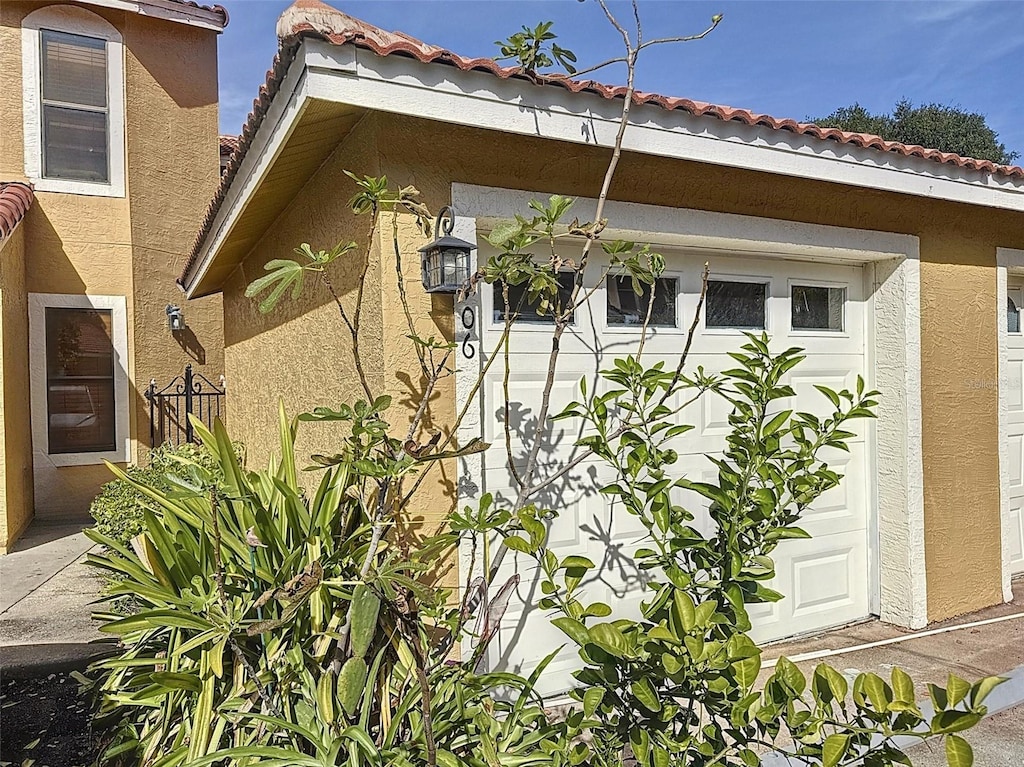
[[46, 595]]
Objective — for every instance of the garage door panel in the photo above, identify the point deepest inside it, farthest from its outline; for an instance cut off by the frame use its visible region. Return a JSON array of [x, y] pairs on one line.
[[1016, 538], [1012, 392], [826, 578], [833, 372], [1015, 385], [1015, 447], [844, 508]]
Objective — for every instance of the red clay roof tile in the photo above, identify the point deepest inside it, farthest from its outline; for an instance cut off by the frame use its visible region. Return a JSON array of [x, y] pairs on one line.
[[316, 19], [220, 10], [15, 200], [228, 144]]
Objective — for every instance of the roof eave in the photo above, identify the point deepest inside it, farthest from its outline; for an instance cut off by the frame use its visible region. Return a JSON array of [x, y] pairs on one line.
[[214, 18], [526, 106]]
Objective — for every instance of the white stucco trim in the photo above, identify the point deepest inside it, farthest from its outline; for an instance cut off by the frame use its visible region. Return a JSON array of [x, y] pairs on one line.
[[37, 305], [891, 263], [182, 13], [77, 21], [1008, 261]]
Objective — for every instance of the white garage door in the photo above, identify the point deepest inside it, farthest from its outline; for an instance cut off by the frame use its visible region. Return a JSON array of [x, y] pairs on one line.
[[821, 307], [1014, 381]]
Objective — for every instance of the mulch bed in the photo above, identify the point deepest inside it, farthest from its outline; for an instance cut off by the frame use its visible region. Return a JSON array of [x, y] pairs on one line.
[[45, 723]]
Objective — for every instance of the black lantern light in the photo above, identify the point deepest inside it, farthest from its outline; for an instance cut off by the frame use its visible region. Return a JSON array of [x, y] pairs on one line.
[[175, 318], [445, 260]]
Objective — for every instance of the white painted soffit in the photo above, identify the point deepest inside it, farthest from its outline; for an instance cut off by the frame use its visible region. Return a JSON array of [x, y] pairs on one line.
[[479, 99], [169, 11]]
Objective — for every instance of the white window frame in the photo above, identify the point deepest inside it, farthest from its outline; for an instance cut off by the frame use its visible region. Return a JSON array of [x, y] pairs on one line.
[[38, 303], [736, 330], [795, 282], [75, 21], [676, 329]]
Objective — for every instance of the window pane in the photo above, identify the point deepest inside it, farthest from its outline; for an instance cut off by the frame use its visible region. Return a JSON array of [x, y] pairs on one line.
[[625, 307], [1012, 316], [75, 144], [735, 304], [817, 308], [527, 311], [80, 380], [74, 69]]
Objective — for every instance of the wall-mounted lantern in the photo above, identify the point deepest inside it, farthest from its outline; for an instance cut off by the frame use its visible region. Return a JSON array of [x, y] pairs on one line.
[[446, 260], [175, 318]]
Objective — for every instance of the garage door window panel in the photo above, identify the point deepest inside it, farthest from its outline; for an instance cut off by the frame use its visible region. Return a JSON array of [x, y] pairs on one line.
[[737, 305], [526, 311], [817, 308], [625, 308]]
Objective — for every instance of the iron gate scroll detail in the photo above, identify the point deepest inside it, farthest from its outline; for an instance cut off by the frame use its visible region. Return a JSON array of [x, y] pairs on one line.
[[169, 407]]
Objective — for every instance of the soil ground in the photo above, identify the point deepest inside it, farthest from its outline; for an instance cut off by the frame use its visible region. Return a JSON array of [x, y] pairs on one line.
[[45, 723]]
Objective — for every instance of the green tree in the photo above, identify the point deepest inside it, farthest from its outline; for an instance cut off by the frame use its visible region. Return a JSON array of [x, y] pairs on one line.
[[946, 128]]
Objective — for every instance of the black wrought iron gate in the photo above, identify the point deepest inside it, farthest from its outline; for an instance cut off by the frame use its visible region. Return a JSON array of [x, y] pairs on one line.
[[170, 406]]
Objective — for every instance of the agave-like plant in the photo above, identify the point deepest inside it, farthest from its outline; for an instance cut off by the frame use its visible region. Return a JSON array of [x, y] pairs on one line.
[[262, 638]]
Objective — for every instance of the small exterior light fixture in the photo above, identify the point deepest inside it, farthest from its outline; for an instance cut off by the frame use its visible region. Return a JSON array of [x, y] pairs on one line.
[[175, 318], [446, 260]]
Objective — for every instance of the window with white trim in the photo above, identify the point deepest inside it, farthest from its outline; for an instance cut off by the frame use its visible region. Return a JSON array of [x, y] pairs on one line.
[[80, 400], [73, 73], [79, 394], [74, 104]]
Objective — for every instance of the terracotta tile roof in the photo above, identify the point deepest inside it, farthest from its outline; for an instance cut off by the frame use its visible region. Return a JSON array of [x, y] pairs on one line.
[[228, 144], [315, 19], [15, 200], [220, 10]]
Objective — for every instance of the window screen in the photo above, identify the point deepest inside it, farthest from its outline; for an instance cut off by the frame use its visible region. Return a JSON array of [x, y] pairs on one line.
[[625, 307], [80, 380], [1012, 316], [817, 308], [74, 104], [527, 311], [735, 304]]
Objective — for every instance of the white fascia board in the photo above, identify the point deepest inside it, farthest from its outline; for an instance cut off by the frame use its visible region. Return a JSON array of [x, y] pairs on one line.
[[479, 99], [278, 124], [166, 10]]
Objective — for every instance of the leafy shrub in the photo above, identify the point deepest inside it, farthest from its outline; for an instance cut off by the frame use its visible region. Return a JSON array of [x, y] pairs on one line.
[[273, 628], [119, 507], [276, 626], [677, 685]]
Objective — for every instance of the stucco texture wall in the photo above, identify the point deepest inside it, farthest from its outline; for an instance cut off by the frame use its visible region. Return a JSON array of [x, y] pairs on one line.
[[302, 351], [173, 165], [958, 304], [130, 246], [16, 430]]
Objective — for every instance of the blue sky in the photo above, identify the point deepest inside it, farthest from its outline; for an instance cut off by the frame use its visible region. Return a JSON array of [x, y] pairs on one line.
[[788, 58]]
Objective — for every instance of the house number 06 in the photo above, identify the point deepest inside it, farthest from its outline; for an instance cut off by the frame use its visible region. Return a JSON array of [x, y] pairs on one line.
[[468, 321]]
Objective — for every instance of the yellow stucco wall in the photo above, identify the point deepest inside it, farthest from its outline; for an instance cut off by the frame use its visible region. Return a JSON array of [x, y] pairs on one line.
[[302, 352], [958, 300], [16, 440], [131, 246], [173, 166]]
